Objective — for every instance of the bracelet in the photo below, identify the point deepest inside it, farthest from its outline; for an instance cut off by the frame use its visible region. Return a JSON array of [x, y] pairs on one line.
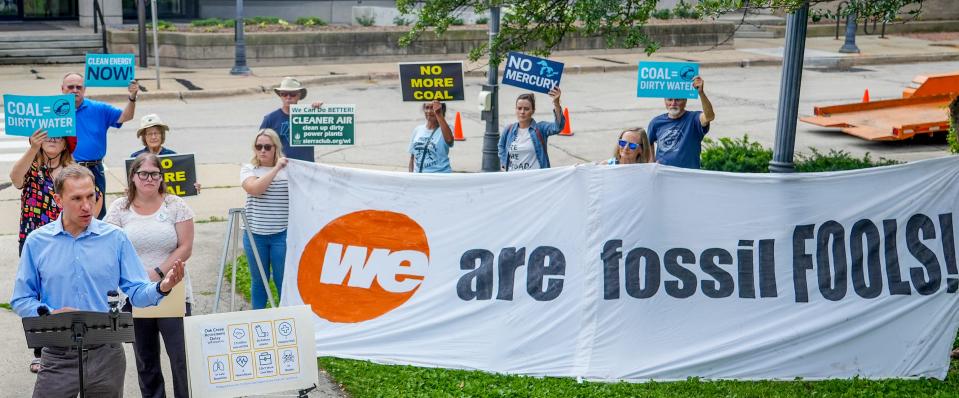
[[159, 272], [161, 291], [132, 99]]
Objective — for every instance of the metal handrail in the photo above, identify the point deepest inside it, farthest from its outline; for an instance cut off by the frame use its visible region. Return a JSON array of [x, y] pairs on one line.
[[98, 12]]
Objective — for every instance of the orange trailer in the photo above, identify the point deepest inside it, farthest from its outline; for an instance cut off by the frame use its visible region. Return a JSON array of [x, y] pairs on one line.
[[922, 110]]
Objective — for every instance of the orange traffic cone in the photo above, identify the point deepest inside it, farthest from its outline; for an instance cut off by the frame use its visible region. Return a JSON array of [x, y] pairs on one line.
[[567, 131], [458, 129], [865, 96]]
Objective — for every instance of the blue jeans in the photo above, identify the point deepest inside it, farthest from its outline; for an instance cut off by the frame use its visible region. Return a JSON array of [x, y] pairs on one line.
[[272, 251], [101, 183]]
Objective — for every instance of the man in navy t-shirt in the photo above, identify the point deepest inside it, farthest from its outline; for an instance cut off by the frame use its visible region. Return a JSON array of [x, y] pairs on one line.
[[290, 93], [677, 135]]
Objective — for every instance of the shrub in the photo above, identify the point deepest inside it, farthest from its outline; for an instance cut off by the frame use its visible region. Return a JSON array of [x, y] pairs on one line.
[[745, 156], [683, 10], [735, 155], [663, 14], [953, 126], [482, 20], [264, 21], [400, 21], [836, 160], [310, 21], [366, 20], [457, 22], [162, 26], [197, 23]]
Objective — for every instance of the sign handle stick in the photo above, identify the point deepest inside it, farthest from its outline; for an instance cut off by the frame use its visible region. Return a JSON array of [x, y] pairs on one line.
[[234, 236], [156, 46]]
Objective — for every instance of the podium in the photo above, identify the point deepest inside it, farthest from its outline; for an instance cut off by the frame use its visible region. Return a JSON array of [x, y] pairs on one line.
[[79, 329]]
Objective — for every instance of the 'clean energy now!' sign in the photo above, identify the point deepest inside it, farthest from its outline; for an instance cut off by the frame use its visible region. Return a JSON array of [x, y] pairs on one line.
[[109, 70], [26, 114], [667, 80], [326, 125], [532, 73]]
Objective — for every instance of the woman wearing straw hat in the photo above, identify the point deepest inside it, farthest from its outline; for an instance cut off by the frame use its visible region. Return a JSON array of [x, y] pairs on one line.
[[152, 133], [290, 92]]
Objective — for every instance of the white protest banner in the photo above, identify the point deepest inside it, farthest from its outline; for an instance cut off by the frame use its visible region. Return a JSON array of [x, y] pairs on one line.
[[250, 352], [636, 272]]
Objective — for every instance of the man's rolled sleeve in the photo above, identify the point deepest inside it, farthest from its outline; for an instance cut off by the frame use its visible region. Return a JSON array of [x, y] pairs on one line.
[[26, 289], [133, 278]]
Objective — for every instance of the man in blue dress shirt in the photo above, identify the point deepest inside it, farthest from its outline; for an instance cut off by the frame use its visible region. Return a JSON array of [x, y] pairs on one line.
[[70, 265], [94, 118]]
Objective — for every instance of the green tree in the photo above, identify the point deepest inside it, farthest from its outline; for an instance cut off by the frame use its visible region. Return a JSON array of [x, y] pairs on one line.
[[538, 26]]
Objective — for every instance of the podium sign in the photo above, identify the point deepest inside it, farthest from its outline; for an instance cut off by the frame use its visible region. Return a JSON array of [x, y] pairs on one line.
[[250, 352]]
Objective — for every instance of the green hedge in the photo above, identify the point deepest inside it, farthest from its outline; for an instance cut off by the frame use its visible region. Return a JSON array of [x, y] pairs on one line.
[[954, 126], [740, 155]]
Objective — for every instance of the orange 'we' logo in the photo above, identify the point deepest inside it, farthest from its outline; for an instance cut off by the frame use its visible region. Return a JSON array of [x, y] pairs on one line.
[[363, 265]]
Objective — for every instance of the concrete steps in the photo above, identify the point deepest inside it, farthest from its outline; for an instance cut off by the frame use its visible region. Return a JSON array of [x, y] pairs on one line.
[[43, 48], [752, 25]]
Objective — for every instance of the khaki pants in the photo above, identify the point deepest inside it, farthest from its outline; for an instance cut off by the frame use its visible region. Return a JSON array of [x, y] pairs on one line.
[[104, 367]]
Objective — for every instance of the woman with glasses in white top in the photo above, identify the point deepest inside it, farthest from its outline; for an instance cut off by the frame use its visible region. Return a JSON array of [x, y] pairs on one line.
[[160, 226]]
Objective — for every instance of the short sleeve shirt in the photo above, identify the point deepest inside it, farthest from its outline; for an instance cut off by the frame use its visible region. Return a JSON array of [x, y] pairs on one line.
[[679, 142], [93, 120], [269, 211], [522, 155], [154, 235], [429, 149], [280, 122]]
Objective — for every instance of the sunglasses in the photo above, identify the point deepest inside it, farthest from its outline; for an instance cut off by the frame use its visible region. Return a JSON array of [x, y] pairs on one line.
[[53, 139], [264, 147], [74, 87], [148, 175], [632, 146], [289, 94]]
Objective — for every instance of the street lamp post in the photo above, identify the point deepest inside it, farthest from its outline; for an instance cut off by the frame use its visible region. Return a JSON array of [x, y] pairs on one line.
[[789, 91], [849, 46], [491, 136], [239, 63]]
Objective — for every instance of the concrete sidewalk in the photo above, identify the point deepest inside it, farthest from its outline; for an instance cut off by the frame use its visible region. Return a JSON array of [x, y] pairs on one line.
[[177, 83]]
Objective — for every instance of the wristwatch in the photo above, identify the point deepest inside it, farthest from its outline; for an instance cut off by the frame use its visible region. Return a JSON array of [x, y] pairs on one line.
[[159, 272]]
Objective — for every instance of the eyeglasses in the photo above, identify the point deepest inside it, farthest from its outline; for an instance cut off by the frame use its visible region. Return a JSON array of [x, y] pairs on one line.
[[264, 147], [148, 175], [289, 94], [153, 134], [632, 146], [53, 139], [74, 87]]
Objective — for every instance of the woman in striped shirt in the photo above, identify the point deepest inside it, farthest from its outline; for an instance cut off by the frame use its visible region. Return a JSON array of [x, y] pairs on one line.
[[267, 210]]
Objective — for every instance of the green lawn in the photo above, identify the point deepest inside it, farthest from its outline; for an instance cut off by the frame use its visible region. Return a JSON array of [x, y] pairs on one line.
[[363, 379]]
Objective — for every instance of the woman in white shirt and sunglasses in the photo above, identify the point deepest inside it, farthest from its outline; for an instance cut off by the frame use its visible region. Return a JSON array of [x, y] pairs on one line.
[[267, 210], [632, 147]]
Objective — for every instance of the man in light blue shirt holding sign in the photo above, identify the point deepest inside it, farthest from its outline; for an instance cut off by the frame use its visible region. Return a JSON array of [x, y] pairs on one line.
[[70, 264], [677, 135]]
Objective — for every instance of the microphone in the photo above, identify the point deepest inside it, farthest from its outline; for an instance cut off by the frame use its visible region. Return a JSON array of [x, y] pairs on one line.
[[113, 298]]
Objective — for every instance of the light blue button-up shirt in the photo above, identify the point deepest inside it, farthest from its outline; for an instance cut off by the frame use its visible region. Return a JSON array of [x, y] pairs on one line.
[[58, 270]]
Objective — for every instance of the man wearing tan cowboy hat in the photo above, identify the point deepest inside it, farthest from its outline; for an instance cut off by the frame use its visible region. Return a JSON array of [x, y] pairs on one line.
[[290, 93], [152, 133]]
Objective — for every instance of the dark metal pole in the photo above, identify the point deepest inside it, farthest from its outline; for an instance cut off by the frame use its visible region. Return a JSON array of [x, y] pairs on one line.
[[142, 31], [849, 47], [789, 91], [491, 136], [239, 62]]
